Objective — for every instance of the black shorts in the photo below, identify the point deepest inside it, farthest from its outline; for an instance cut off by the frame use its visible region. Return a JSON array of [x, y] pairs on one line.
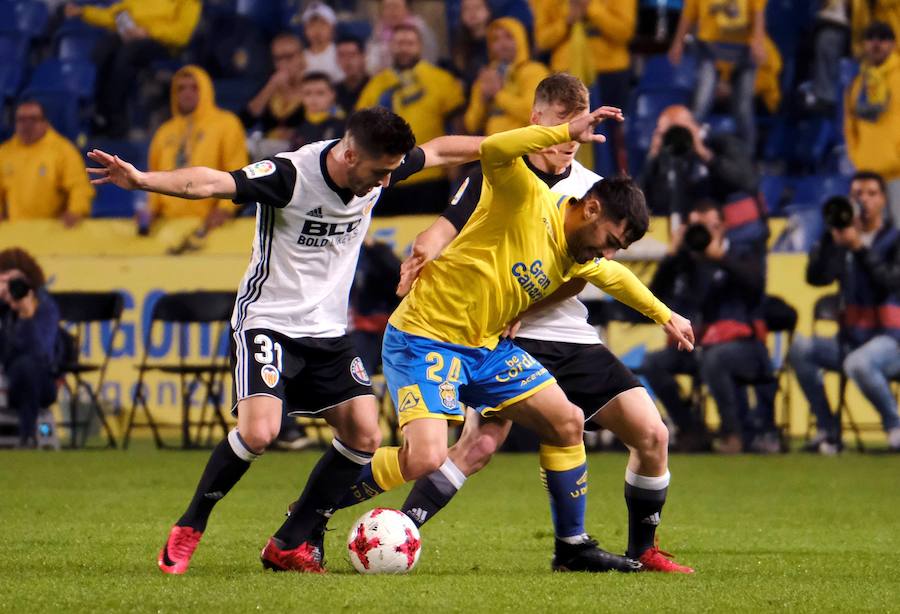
[[589, 374], [309, 375]]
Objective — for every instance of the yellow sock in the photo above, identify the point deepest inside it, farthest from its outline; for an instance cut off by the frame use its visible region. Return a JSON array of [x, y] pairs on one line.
[[556, 458], [386, 468]]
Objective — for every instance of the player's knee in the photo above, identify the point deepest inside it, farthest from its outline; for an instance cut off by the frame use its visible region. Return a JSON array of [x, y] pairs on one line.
[[654, 439], [365, 441], [567, 429], [484, 447], [424, 462], [258, 436]]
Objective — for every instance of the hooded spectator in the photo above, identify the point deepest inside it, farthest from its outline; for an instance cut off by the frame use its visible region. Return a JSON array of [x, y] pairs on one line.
[[502, 96]]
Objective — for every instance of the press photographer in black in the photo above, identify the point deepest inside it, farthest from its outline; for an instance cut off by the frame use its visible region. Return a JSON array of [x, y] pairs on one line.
[[29, 339], [684, 166], [720, 283], [859, 249]]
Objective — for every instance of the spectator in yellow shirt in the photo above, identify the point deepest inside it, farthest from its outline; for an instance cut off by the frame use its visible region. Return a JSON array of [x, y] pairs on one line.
[[427, 97], [872, 112], [199, 134], [732, 31], [502, 95], [589, 39], [141, 32], [42, 174]]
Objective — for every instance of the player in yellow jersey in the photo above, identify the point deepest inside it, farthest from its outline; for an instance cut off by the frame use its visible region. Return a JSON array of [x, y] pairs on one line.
[[444, 345]]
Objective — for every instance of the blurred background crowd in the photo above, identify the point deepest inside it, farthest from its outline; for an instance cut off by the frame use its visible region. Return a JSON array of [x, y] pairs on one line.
[[739, 114]]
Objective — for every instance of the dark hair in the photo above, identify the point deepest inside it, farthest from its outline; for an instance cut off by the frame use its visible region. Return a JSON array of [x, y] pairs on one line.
[[622, 199], [32, 101], [288, 35], [378, 132], [870, 176], [407, 26], [564, 89], [18, 258], [353, 40], [316, 76], [705, 205]]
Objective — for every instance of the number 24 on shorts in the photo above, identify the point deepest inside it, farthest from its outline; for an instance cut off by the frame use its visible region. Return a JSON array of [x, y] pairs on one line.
[[436, 362]]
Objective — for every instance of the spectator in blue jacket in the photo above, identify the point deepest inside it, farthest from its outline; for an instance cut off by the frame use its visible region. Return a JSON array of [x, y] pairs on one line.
[[29, 339], [719, 282], [861, 253]]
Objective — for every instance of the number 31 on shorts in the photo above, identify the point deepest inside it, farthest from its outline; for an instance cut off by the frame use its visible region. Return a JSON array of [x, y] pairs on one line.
[[269, 351]]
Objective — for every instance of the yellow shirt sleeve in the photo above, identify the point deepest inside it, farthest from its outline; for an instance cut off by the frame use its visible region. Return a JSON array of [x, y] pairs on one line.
[[550, 28], [620, 283], [102, 16], [501, 158], [75, 181], [616, 20], [177, 31]]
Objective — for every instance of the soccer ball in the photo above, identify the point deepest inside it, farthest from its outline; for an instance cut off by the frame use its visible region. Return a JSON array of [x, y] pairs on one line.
[[384, 541]]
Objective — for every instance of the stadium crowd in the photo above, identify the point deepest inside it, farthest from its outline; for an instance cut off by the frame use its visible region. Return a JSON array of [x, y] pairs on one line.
[[736, 111]]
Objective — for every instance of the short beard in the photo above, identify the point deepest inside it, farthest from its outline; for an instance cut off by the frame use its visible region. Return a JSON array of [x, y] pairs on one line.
[[405, 65]]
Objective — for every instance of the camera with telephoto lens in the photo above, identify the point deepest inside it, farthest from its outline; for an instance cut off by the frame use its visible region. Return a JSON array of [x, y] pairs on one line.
[[839, 212], [678, 142], [697, 238], [18, 288]]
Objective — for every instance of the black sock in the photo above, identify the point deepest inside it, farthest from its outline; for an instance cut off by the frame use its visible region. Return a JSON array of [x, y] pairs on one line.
[[223, 470], [431, 493], [645, 497], [329, 481]]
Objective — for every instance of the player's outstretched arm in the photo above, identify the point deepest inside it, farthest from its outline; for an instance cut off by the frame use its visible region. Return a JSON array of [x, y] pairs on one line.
[[428, 245], [620, 283], [451, 150], [195, 183]]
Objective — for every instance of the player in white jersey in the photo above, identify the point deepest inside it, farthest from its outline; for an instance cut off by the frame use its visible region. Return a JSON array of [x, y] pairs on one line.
[[291, 351], [558, 335]]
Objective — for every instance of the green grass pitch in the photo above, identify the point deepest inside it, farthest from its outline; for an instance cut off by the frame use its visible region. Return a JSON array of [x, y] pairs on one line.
[[81, 531]]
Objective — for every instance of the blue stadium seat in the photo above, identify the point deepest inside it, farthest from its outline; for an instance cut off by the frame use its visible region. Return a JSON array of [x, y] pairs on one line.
[[773, 189], [10, 79], [74, 78], [75, 41], [14, 48], [358, 28], [234, 94], [659, 74], [28, 17], [721, 124], [267, 14], [811, 191]]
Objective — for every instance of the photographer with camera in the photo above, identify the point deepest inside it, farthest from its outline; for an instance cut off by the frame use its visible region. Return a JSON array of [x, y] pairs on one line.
[[720, 284], [685, 166], [29, 339], [861, 251]]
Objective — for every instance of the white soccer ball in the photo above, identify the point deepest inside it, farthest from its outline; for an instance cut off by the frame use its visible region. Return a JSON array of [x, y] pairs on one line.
[[384, 541]]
